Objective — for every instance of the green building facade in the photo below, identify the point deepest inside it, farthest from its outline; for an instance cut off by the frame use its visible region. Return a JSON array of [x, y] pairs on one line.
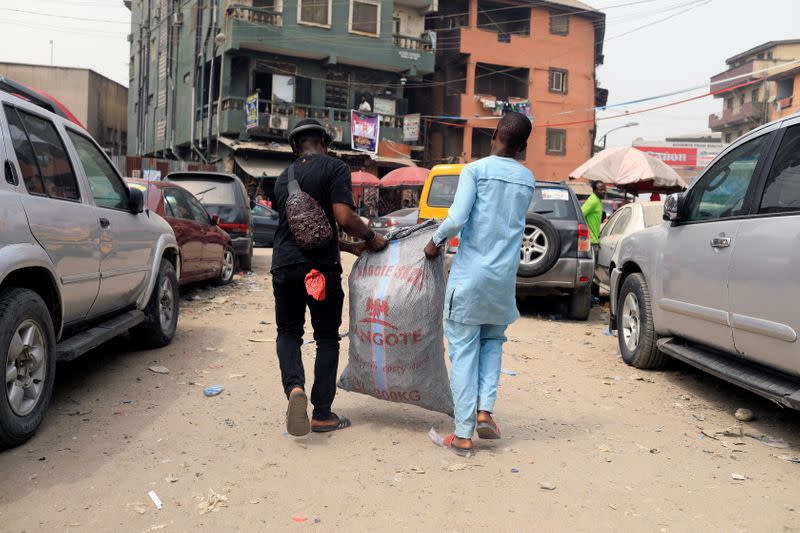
[[194, 63]]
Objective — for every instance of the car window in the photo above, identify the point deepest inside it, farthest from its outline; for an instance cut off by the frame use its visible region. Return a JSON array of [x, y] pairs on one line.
[[609, 225], [553, 203], [720, 191], [210, 192], [263, 211], [176, 199], [200, 215], [622, 222], [43, 160], [442, 190], [107, 188], [782, 191]]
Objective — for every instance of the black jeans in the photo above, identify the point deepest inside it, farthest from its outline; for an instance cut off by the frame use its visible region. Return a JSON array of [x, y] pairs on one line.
[[291, 299]]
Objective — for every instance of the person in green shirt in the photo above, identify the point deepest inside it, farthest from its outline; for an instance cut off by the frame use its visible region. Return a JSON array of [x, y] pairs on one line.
[[593, 213]]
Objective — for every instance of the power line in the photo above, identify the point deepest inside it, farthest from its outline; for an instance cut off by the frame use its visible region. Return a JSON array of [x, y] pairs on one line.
[[62, 16]]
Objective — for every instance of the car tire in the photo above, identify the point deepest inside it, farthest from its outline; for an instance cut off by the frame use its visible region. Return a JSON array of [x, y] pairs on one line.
[[228, 267], [29, 369], [580, 303], [161, 313], [540, 247], [637, 337]]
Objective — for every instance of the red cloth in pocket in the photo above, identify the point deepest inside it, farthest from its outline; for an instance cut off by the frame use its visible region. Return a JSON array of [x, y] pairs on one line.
[[315, 285]]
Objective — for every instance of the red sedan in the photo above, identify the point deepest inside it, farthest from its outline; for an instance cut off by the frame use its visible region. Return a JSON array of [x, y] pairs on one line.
[[206, 250]]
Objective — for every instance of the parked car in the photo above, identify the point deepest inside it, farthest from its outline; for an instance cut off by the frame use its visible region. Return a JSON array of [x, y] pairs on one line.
[[627, 219], [206, 250], [555, 254], [265, 222], [718, 287], [223, 195], [396, 219], [81, 261]]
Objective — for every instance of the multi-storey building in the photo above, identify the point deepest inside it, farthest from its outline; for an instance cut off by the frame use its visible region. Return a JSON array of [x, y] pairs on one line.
[[194, 63], [99, 103], [753, 104], [536, 57]]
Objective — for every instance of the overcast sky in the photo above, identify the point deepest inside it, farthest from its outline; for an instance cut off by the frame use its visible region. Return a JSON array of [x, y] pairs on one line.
[[663, 56]]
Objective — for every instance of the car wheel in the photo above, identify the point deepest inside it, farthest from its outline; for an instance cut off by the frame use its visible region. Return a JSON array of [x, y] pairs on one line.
[[580, 303], [27, 338], [540, 246], [161, 314], [637, 337], [228, 268]]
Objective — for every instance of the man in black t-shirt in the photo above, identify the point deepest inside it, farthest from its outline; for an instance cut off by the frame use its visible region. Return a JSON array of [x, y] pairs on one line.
[[327, 180]]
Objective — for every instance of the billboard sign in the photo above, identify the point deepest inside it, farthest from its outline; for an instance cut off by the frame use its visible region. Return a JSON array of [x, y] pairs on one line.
[[411, 127], [251, 109], [674, 157], [364, 131]]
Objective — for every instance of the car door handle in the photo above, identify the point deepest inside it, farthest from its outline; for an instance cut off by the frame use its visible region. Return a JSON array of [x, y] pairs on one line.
[[720, 242], [104, 223]]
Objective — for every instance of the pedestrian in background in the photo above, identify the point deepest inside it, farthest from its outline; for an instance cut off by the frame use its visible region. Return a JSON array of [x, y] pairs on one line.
[[327, 180], [489, 210], [593, 213]]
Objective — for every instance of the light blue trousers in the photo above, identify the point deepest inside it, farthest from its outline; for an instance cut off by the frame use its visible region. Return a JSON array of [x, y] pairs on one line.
[[476, 353]]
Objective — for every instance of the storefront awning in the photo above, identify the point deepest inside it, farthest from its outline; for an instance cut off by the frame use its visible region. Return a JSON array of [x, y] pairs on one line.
[[259, 167]]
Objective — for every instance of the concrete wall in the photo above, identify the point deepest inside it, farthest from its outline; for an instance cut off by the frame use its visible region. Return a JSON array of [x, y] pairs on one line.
[[67, 85], [108, 113]]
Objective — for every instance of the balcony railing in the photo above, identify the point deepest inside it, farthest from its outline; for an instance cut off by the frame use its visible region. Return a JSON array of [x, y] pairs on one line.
[[412, 43], [256, 15], [293, 112], [751, 113], [747, 68]]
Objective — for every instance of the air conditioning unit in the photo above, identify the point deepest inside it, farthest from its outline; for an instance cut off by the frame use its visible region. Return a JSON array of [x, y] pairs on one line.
[[130, 37], [279, 122], [177, 19]]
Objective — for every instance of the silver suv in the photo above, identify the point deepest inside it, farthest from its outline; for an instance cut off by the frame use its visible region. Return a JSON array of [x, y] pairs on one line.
[[718, 285], [80, 261]]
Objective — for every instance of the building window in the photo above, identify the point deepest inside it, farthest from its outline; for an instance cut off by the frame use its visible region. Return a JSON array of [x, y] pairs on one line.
[[314, 12], [272, 5], [741, 99], [729, 104], [769, 55], [504, 19], [556, 142], [558, 81], [559, 23], [365, 17], [481, 142], [501, 82], [754, 96], [728, 137]]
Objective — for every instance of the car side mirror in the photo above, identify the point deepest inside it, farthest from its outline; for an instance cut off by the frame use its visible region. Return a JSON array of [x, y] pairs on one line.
[[215, 220], [673, 207], [137, 200]]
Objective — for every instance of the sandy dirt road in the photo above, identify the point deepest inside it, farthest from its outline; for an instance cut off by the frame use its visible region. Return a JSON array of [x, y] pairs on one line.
[[624, 450]]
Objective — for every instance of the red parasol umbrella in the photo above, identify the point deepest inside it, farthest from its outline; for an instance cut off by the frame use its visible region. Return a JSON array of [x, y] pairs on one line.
[[405, 177], [364, 179]]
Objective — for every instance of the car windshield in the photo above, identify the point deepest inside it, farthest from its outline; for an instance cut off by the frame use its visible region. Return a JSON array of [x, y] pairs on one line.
[[210, 191], [552, 202]]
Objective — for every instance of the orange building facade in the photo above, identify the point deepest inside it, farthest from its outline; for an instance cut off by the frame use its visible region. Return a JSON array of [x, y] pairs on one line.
[[506, 55], [787, 94]]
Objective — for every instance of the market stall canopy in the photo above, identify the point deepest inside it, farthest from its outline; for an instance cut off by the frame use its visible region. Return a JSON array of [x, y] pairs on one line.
[[405, 177], [364, 179], [259, 167], [630, 169]]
